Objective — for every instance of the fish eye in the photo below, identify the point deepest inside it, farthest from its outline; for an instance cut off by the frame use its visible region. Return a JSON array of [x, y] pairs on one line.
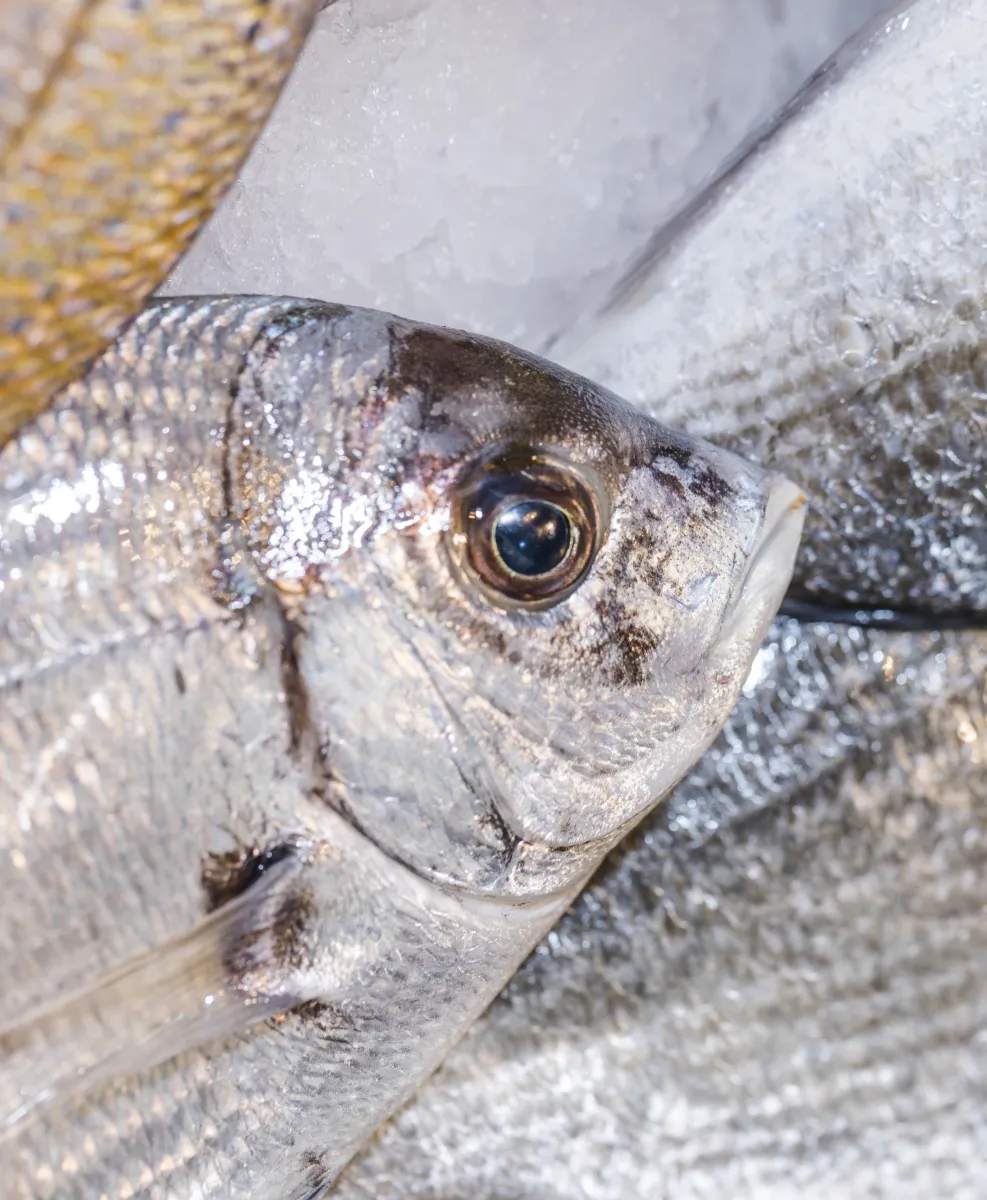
[[532, 537], [526, 528]]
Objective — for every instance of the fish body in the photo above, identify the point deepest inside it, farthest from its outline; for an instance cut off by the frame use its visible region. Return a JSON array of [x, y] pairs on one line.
[[821, 309], [121, 127], [296, 769]]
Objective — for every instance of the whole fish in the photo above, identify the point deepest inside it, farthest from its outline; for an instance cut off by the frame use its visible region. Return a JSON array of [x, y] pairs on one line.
[[122, 124], [335, 652], [777, 987]]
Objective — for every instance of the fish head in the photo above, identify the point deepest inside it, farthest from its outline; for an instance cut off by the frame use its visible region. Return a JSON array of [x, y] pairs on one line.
[[523, 609]]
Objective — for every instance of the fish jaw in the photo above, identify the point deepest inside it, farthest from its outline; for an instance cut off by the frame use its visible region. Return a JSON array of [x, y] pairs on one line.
[[755, 602], [762, 588]]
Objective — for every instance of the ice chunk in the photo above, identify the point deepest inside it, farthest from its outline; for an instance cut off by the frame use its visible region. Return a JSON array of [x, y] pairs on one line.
[[495, 168]]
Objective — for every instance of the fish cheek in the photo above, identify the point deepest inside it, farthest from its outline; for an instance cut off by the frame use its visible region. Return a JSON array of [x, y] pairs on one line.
[[385, 698]]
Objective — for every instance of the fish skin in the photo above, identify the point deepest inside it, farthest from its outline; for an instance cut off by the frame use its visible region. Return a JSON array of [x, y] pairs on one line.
[[821, 310], [215, 548], [121, 127]]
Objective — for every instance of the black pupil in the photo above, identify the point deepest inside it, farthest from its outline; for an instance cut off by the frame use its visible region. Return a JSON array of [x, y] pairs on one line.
[[532, 537]]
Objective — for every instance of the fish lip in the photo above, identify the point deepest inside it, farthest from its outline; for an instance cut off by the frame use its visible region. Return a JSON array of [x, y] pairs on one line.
[[760, 590]]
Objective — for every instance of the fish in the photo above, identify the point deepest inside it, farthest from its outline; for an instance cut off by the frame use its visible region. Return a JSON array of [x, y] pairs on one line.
[[336, 651], [775, 986], [121, 127]]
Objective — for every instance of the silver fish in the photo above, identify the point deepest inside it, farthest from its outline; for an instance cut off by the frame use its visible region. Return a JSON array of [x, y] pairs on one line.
[[335, 652], [777, 987]]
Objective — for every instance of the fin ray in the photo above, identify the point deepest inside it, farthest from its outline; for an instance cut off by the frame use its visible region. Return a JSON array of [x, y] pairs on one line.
[[196, 988]]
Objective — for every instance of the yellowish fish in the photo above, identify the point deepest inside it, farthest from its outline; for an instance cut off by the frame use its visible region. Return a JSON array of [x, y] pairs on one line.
[[122, 123]]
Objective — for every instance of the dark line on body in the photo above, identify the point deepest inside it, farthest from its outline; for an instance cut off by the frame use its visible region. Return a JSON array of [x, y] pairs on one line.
[[898, 620]]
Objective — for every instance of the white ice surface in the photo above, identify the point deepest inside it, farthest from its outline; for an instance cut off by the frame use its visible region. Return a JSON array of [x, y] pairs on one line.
[[495, 167]]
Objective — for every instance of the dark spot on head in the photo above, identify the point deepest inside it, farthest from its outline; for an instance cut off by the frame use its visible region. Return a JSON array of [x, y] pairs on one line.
[[453, 371], [710, 486], [626, 648], [641, 557], [289, 927], [495, 642], [253, 31], [323, 1023], [312, 1010], [317, 1176], [670, 482], [677, 452], [226, 876], [180, 681]]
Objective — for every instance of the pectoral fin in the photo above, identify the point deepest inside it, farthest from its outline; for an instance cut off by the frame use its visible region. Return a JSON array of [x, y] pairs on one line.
[[220, 978]]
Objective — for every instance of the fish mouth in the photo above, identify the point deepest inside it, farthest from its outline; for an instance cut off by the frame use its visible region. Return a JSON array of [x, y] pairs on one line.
[[762, 587]]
